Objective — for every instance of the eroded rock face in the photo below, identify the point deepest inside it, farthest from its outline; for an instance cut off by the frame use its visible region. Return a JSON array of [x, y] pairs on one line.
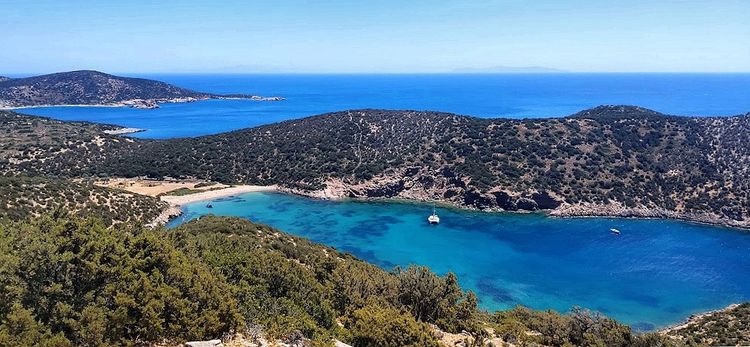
[[505, 201], [527, 204], [477, 200], [544, 201], [416, 183], [386, 191]]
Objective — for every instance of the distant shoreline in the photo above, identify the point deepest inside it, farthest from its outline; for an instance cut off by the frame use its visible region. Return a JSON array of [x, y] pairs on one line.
[[151, 103]]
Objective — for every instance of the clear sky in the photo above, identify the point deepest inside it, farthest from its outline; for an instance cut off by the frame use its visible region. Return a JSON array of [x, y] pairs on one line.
[[374, 36]]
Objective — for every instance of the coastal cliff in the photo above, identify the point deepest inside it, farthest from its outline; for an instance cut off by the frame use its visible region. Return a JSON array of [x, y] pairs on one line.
[[93, 88]]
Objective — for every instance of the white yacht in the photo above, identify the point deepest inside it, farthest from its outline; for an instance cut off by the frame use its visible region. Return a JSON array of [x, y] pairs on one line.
[[433, 218], [615, 231]]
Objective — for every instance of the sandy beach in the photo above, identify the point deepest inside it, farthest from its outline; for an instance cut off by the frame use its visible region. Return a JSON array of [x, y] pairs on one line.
[[157, 187], [213, 194]]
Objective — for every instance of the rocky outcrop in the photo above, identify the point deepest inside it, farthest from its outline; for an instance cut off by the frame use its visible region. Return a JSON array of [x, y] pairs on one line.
[[618, 210], [416, 183], [165, 216]]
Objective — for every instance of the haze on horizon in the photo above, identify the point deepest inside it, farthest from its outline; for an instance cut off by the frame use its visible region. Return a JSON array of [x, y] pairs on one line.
[[375, 36]]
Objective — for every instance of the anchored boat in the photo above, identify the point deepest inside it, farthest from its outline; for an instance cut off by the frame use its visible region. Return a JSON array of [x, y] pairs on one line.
[[433, 218]]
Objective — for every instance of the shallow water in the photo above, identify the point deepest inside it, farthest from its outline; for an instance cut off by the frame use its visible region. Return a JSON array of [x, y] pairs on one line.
[[481, 95], [657, 272]]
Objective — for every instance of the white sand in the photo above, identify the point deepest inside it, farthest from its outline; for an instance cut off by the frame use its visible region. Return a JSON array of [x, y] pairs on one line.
[[213, 194]]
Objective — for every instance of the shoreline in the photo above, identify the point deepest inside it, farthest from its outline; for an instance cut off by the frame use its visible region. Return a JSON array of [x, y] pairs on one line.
[[180, 200], [694, 319], [124, 131], [563, 211], [152, 103]]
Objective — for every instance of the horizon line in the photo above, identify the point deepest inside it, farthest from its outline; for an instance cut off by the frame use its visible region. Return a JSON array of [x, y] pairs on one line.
[[29, 74]]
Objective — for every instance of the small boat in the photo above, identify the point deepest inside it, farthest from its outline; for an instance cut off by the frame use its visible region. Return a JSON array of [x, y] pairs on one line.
[[615, 231], [433, 218], [210, 206]]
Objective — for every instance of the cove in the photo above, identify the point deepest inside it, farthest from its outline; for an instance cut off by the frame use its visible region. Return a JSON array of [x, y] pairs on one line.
[[655, 273]]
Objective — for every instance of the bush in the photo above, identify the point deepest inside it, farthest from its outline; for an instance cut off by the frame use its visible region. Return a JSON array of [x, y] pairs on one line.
[[375, 326]]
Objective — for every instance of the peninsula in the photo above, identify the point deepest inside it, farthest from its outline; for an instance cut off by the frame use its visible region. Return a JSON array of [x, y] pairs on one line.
[[94, 88]]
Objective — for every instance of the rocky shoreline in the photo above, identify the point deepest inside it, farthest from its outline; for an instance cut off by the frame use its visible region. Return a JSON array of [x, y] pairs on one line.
[[124, 131], [619, 211], [695, 319], [392, 188]]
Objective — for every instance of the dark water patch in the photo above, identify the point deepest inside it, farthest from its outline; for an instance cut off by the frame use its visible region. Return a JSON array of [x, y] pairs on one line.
[[497, 293], [372, 227], [368, 256], [642, 298]]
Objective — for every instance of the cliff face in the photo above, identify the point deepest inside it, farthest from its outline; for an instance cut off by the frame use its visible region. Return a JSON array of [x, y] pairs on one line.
[[610, 160]]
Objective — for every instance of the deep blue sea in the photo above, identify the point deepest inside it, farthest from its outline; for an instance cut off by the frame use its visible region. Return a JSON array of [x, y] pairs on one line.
[[482, 95], [657, 272]]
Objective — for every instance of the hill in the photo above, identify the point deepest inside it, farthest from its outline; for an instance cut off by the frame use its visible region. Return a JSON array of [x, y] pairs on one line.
[[25, 197], [94, 88], [610, 160]]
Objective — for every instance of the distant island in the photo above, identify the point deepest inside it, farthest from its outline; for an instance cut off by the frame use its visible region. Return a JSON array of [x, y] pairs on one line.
[[93, 88], [508, 69], [620, 161]]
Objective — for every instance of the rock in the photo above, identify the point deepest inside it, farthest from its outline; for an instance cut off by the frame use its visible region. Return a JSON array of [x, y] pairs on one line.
[[544, 201], [411, 171], [476, 199], [449, 194], [210, 343], [504, 201], [526, 204], [386, 191]]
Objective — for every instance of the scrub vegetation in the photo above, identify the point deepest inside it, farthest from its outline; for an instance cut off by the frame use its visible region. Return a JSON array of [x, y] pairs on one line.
[[68, 281]]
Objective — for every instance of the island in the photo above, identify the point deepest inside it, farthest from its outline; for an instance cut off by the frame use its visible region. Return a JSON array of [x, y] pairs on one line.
[[94, 88]]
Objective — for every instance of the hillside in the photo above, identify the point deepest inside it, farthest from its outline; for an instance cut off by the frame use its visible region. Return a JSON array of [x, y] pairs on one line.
[[24, 197], [71, 282], [610, 160], [727, 327], [94, 88]]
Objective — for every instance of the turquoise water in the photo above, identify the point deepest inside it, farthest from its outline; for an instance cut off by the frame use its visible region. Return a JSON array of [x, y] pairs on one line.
[[481, 95], [657, 272]]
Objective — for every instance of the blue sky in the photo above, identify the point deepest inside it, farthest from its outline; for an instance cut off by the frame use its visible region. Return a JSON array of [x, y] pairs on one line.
[[374, 36]]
